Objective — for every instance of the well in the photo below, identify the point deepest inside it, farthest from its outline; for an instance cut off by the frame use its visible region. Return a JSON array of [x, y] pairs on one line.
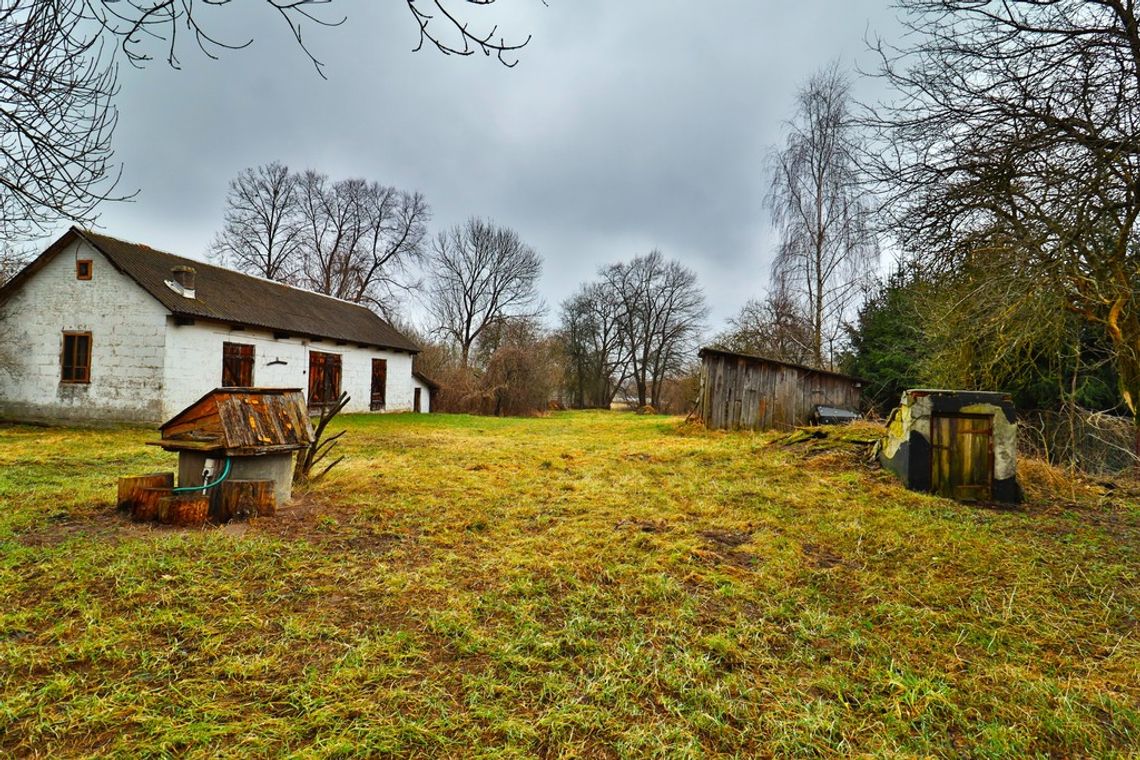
[[245, 434]]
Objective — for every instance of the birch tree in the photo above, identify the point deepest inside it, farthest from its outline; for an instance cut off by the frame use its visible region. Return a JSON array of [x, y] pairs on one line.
[[818, 205]]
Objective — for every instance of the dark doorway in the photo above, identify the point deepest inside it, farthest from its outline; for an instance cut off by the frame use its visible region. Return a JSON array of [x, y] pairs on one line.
[[379, 384], [962, 456], [416, 403], [324, 379]]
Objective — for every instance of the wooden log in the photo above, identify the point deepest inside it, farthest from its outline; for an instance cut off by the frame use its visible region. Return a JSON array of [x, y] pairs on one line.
[[184, 509], [145, 506], [130, 486], [243, 499]]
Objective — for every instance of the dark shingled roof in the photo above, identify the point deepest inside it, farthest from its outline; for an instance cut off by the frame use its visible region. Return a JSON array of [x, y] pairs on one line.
[[228, 296]]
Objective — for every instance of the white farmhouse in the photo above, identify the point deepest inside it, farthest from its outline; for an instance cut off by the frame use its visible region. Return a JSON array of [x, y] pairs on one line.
[[101, 330]]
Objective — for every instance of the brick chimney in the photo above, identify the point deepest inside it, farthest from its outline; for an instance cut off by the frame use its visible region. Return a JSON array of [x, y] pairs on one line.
[[183, 281]]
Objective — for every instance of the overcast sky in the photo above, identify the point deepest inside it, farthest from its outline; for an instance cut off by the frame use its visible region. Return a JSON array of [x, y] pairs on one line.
[[626, 126]]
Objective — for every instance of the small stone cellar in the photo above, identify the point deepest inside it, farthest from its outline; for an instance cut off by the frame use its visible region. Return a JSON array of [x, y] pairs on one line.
[[957, 444]]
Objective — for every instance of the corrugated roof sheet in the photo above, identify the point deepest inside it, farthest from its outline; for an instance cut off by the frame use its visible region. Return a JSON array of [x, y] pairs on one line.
[[226, 295]]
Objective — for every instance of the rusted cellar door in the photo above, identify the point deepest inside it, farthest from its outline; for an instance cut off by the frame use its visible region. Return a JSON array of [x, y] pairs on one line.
[[962, 459]]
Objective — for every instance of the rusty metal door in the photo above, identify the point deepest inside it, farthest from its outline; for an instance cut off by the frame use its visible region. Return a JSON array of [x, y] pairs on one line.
[[962, 456]]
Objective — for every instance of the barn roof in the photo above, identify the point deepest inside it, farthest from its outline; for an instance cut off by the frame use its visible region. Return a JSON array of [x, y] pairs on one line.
[[711, 350], [225, 295]]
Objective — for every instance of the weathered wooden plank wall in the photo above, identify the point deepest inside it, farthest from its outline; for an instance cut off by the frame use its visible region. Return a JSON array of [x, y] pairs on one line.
[[754, 393]]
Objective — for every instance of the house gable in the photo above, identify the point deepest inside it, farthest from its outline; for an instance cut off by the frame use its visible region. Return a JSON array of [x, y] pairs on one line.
[[54, 297]]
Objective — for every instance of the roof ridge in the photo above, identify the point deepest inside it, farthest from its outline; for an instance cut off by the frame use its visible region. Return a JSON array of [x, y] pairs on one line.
[[212, 265], [230, 295]]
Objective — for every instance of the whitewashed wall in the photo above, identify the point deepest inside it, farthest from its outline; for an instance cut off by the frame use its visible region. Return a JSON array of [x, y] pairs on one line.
[[425, 394], [144, 367], [194, 365], [127, 329]]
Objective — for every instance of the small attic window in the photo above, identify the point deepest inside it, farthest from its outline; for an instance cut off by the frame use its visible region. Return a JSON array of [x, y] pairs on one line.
[[83, 269]]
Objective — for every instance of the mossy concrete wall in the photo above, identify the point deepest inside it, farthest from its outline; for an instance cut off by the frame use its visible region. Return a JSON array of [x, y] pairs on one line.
[[907, 450]]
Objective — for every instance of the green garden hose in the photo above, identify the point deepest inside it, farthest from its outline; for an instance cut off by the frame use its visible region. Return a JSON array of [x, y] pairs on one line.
[[225, 474]]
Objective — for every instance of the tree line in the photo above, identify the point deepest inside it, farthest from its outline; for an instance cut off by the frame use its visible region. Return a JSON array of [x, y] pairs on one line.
[[1002, 170], [630, 332]]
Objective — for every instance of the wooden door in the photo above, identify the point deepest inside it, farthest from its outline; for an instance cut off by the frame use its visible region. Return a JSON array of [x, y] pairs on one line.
[[418, 405], [962, 456], [237, 365], [324, 379], [379, 384]]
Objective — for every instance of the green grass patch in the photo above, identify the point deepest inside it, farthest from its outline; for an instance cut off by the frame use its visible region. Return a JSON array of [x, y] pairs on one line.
[[583, 584]]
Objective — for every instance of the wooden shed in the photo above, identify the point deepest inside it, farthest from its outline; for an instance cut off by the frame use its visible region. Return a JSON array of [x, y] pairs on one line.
[[255, 430], [744, 391]]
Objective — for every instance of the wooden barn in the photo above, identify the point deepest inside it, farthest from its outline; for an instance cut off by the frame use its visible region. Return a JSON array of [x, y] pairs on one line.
[[743, 391]]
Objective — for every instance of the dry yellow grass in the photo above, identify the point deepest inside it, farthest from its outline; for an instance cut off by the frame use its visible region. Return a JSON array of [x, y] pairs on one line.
[[583, 584]]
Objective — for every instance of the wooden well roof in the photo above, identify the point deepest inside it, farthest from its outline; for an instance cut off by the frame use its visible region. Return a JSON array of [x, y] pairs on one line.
[[241, 421]]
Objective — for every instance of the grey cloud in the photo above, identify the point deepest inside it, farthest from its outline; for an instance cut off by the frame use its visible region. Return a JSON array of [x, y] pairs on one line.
[[625, 126]]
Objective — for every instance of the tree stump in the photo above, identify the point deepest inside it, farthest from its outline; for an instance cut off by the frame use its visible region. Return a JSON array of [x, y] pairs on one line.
[[145, 505], [243, 499], [184, 509], [129, 487]]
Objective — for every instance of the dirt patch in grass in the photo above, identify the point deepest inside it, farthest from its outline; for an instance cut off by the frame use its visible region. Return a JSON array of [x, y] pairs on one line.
[[108, 526], [725, 538], [723, 547], [822, 558]]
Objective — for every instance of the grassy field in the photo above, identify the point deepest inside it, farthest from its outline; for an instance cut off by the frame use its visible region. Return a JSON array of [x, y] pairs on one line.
[[580, 585]]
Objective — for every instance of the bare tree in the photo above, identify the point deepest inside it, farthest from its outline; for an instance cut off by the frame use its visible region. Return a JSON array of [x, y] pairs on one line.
[[817, 201], [12, 260], [597, 357], [139, 24], [58, 81], [57, 87], [775, 327], [358, 239], [261, 234], [661, 314], [1012, 153], [480, 275]]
